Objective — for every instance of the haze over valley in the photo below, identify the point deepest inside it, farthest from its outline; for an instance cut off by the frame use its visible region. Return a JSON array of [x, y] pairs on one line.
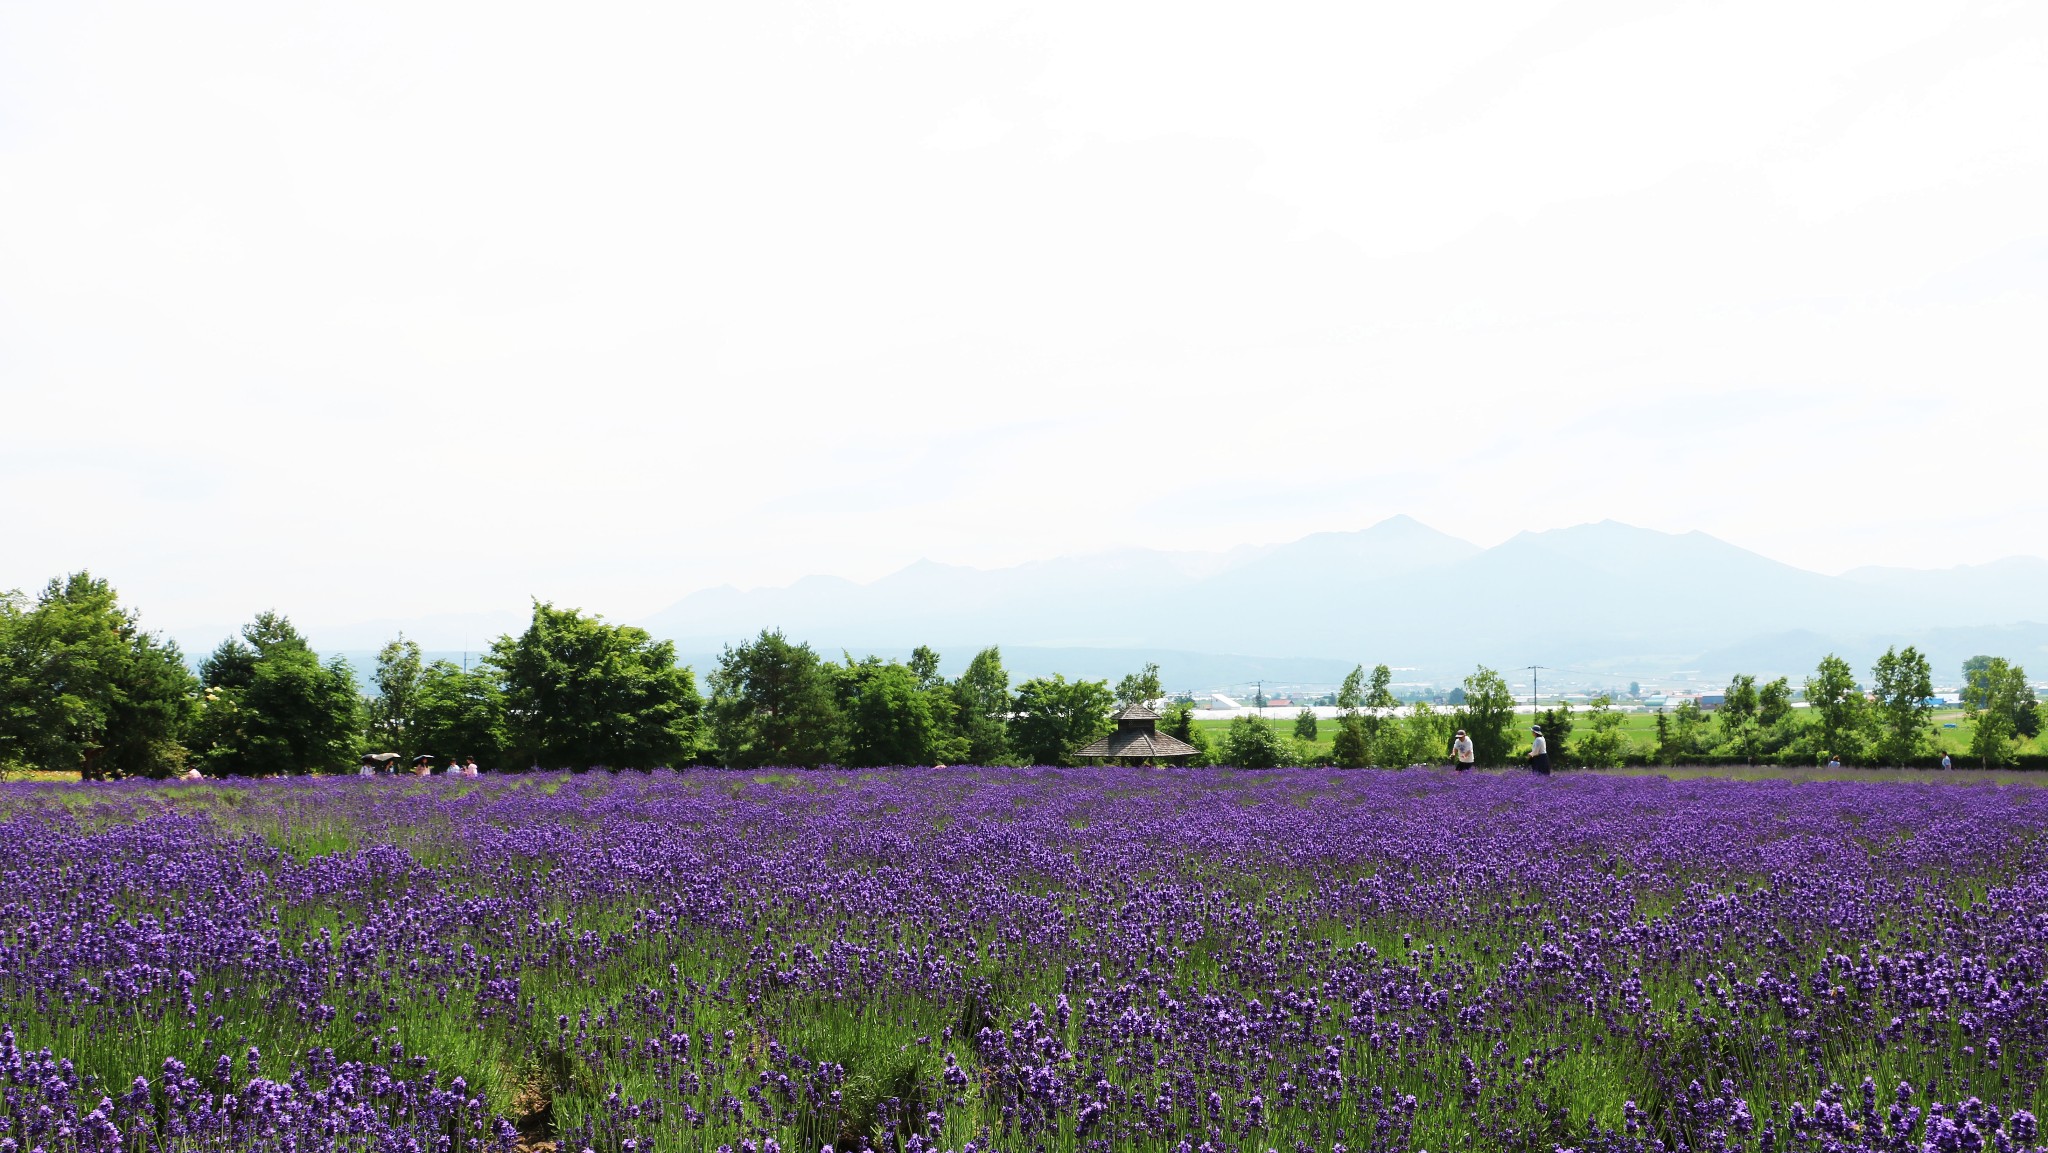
[[1595, 602]]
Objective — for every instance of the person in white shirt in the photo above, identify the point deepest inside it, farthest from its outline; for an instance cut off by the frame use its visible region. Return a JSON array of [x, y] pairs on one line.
[[1539, 751], [1462, 751]]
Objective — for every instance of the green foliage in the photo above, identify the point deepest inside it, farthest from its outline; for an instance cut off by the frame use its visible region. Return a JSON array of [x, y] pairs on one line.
[[83, 688], [581, 693], [1974, 666], [1991, 741], [1604, 746], [1833, 698], [1778, 724], [389, 713], [1351, 748], [270, 707], [458, 714], [1999, 699], [924, 665], [981, 699], [1351, 694], [1557, 732], [1379, 695], [1139, 687], [1488, 716], [1389, 743], [1774, 703], [1739, 714], [772, 703], [1426, 734], [1252, 743], [1305, 725], [887, 715], [1179, 721], [1055, 716], [1684, 734], [1901, 714]]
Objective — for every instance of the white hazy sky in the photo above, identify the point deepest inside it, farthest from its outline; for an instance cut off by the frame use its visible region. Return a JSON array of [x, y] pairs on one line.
[[608, 302]]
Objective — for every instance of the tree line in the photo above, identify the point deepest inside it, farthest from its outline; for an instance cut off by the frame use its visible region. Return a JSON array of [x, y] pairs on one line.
[[84, 687], [1890, 722]]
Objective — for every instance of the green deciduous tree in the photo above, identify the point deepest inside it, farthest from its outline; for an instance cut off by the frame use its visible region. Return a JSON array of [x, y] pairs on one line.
[[1604, 745], [1999, 700], [1305, 725], [1777, 721], [83, 688], [1427, 735], [397, 681], [1488, 716], [981, 698], [458, 714], [1351, 747], [888, 717], [1902, 682], [1385, 738], [1252, 743], [1557, 733], [1682, 736], [1975, 665], [1774, 702], [1179, 721], [1139, 687], [581, 693], [1351, 694], [772, 703], [1739, 714], [924, 665], [1837, 706], [270, 706], [1055, 716]]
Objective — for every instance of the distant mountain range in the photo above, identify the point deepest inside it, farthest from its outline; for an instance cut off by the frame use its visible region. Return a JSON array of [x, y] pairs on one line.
[[1595, 600], [1599, 604]]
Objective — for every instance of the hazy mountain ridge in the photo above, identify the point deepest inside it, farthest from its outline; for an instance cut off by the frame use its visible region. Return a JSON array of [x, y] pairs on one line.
[[1599, 595], [1592, 601]]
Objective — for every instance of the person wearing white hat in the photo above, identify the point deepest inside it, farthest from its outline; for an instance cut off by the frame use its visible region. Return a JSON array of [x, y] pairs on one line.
[[1539, 751]]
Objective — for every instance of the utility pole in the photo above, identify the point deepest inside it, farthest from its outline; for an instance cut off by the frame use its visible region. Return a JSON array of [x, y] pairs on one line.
[[1259, 697], [1533, 696]]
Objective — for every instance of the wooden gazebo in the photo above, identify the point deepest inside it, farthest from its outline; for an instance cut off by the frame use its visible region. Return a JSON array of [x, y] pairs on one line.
[[1137, 740]]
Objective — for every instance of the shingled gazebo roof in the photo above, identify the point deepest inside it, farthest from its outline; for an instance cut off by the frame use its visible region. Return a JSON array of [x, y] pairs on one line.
[[1137, 738]]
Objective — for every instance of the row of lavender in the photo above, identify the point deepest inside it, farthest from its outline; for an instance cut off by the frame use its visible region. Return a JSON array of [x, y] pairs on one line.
[[1092, 959]]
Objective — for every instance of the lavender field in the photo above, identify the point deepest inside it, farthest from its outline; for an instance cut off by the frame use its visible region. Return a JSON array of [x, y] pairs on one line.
[[1091, 959]]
